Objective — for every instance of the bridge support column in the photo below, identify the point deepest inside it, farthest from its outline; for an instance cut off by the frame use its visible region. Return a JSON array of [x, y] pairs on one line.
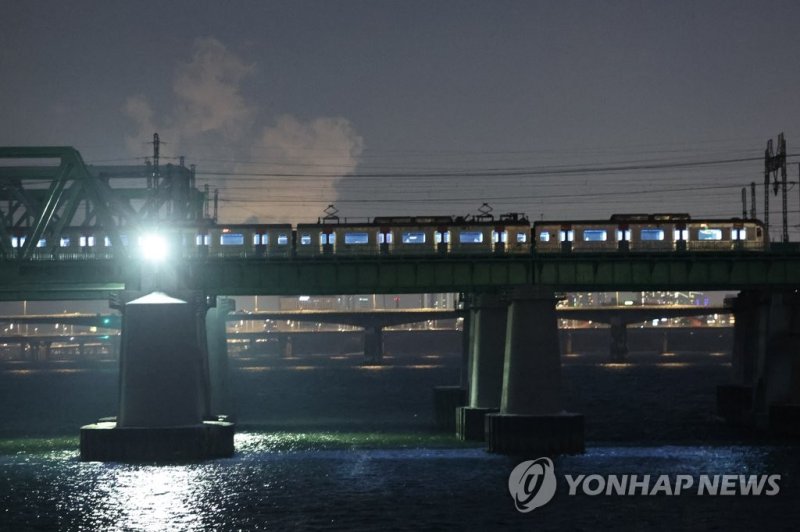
[[531, 419], [619, 340], [776, 398], [447, 399], [217, 347], [751, 315], [163, 388], [373, 344], [486, 367], [284, 345]]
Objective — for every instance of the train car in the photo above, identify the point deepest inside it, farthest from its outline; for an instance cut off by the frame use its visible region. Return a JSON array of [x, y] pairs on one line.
[[332, 237], [246, 240], [508, 235], [580, 236], [413, 235], [726, 235]]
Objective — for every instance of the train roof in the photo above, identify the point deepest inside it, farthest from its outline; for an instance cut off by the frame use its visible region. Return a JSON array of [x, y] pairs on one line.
[[649, 220]]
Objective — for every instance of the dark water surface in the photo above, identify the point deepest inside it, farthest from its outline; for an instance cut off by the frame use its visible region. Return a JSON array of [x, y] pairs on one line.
[[329, 444]]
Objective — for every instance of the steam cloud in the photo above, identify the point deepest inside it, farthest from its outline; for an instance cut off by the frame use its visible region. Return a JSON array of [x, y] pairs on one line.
[[211, 116]]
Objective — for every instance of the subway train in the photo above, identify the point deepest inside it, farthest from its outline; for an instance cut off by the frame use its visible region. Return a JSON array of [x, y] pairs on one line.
[[509, 234]]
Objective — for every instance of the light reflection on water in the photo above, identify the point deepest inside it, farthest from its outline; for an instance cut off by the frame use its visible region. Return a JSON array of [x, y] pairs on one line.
[[321, 479]]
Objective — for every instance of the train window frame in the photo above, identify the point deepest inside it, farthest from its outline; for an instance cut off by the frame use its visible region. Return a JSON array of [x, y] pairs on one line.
[[544, 236], [385, 238], [359, 238], [499, 237], [474, 237], [64, 242], [413, 238], [305, 239], [567, 235], [202, 239], [652, 231], [17, 241], [440, 237], [680, 235], [107, 241], [42, 243], [739, 234], [595, 235], [283, 239], [327, 238], [231, 239], [522, 238], [623, 235], [711, 234]]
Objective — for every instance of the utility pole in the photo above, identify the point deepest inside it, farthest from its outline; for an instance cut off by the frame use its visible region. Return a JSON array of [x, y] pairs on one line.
[[744, 203], [774, 163], [752, 200]]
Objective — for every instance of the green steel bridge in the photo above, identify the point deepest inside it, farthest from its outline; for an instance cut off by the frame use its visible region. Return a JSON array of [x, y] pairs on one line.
[[60, 191]]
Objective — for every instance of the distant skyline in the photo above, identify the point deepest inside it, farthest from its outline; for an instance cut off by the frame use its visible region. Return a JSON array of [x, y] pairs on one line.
[[556, 109]]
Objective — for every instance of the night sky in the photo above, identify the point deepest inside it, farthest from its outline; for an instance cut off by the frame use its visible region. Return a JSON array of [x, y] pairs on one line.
[[557, 109]]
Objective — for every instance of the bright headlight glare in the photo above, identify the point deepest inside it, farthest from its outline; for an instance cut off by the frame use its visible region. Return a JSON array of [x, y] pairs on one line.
[[153, 247]]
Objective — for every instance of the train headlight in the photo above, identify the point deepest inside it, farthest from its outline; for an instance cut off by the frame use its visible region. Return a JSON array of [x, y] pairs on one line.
[[153, 247]]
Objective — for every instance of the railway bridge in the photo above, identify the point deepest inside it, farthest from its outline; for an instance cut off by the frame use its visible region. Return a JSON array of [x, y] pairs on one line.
[[514, 368]]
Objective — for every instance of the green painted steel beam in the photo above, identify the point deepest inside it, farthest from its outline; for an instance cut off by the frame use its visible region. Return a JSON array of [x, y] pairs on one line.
[[333, 276]]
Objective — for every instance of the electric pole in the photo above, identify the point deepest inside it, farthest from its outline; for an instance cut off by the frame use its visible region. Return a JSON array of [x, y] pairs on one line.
[[774, 163]]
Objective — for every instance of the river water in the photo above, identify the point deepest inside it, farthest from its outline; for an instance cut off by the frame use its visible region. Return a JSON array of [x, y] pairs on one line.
[[327, 443]]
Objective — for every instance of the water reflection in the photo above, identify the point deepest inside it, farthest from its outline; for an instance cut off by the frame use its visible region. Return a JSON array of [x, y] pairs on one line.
[[152, 498]]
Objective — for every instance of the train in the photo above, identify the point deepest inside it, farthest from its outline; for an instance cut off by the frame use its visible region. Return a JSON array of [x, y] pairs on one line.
[[510, 234]]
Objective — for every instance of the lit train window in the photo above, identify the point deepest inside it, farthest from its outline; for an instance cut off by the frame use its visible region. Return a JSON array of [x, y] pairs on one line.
[[681, 234], [624, 235], [470, 237], [595, 235], [200, 240], [652, 234], [327, 239], [709, 234], [17, 241], [440, 237], [256, 239], [264, 240], [42, 243], [64, 241], [231, 239], [413, 238], [567, 236], [739, 234], [544, 236], [501, 236], [356, 238], [384, 238], [107, 241], [283, 240], [305, 240], [86, 241], [522, 238]]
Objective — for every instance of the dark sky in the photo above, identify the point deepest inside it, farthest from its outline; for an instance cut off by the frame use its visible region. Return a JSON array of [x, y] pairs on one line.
[[434, 106]]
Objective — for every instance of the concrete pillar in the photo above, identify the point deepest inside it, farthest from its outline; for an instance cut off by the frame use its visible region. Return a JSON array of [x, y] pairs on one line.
[[568, 346], [751, 316], [373, 344], [163, 388], [531, 419], [447, 399], [485, 366], [217, 347], [161, 368], [618, 350], [284, 345], [776, 399], [664, 342]]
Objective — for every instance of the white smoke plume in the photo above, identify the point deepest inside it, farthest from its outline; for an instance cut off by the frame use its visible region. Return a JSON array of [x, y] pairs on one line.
[[211, 118]]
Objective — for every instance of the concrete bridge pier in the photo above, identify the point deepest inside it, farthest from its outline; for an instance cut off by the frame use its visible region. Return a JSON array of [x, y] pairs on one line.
[[164, 388], [618, 351], [373, 344], [751, 315], [284, 345], [776, 397], [217, 346], [486, 366], [446, 399], [531, 420]]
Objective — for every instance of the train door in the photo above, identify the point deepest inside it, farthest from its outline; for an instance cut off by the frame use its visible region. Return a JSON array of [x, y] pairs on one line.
[[442, 239], [566, 236], [384, 240], [499, 239], [327, 238]]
